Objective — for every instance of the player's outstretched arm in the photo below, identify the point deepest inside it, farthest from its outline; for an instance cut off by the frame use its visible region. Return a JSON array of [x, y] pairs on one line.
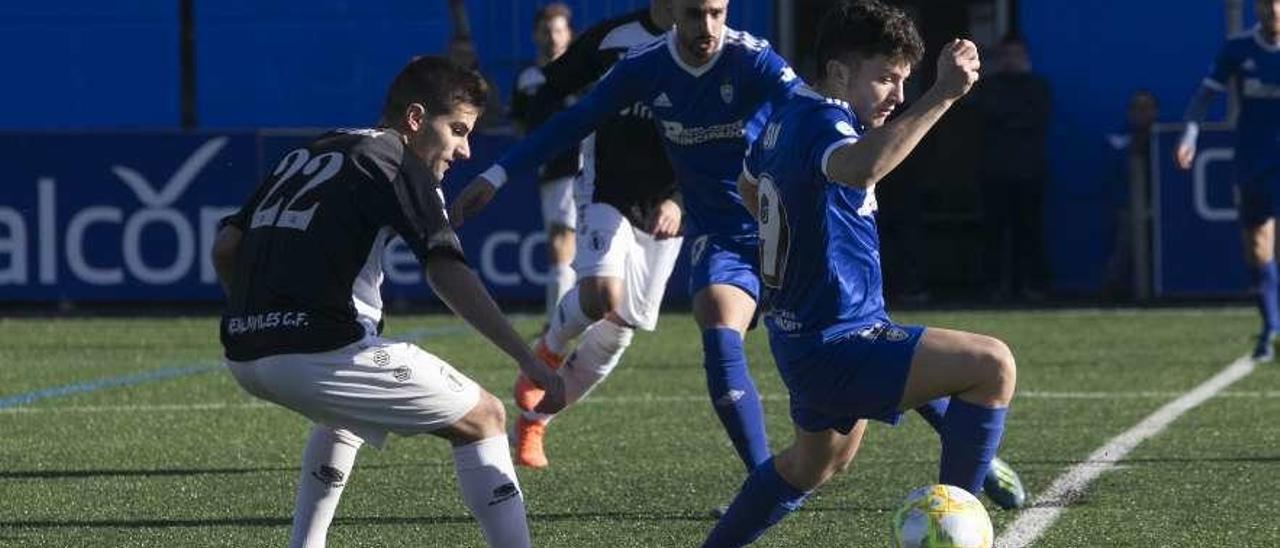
[[1196, 112], [624, 84], [864, 162], [459, 287]]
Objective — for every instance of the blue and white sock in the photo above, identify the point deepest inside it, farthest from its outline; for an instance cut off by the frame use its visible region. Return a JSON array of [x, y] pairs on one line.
[[970, 436], [1266, 284], [764, 500], [733, 394]]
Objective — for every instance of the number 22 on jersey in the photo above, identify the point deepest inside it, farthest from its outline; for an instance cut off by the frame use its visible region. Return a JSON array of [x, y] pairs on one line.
[[274, 211]]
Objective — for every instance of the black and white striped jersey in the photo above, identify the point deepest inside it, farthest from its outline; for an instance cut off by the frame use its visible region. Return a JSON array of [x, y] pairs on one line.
[[309, 266], [624, 163]]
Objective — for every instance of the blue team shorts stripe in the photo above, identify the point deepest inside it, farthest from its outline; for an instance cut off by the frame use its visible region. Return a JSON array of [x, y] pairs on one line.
[[859, 374], [724, 260]]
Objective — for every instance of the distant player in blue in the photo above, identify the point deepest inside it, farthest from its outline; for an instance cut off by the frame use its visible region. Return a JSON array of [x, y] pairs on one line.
[[813, 172], [709, 88], [1250, 62]]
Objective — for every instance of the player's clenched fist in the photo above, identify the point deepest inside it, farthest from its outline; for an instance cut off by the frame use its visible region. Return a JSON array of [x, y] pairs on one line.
[[958, 66], [471, 200]]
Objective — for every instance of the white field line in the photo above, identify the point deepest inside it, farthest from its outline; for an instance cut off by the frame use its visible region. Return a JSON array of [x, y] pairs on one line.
[[609, 400], [1046, 508]]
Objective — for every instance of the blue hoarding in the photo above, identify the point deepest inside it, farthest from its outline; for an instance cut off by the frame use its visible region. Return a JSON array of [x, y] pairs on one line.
[[1196, 232], [131, 217]]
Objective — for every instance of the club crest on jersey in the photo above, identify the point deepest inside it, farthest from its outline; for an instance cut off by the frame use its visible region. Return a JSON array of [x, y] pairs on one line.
[[402, 373], [726, 92], [1249, 65]]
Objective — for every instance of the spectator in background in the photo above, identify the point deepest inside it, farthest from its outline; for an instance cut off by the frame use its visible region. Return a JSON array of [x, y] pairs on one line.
[[463, 52], [1014, 105], [551, 36], [1130, 188]]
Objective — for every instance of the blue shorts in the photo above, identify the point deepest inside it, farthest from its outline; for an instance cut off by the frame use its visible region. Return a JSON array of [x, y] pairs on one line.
[[729, 260], [1256, 197], [858, 374]]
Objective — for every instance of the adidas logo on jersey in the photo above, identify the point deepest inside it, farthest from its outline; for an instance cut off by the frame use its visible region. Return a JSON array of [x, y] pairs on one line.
[[662, 101]]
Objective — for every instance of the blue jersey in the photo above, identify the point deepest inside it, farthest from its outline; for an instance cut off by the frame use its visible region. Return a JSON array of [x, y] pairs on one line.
[[819, 249], [706, 115], [1254, 66]]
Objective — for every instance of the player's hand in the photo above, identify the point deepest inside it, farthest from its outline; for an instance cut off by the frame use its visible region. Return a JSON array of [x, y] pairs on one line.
[[665, 222], [1184, 155], [471, 200], [547, 379], [958, 66]]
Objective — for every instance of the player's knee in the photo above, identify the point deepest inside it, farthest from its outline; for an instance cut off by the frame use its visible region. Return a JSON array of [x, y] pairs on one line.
[[999, 369], [489, 415]]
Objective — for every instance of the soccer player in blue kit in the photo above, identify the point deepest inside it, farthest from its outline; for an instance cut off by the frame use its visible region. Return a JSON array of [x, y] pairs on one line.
[[1252, 61], [710, 89], [813, 173]]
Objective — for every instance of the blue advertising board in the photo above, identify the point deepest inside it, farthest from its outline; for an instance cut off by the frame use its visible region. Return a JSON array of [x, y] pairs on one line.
[[103, 217], [1196, 236]]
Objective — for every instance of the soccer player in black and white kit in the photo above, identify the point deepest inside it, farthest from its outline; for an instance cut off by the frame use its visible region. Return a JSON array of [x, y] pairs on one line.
[[628, 226], [301, 265], [551, 34]]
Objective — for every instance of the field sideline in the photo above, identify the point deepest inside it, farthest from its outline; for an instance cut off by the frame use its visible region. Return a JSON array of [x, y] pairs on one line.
[[126, 432]]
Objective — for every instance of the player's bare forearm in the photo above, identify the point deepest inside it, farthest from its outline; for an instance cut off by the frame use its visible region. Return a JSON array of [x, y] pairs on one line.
[[461, 290], [750, 199], [225, 245], [863, 163]]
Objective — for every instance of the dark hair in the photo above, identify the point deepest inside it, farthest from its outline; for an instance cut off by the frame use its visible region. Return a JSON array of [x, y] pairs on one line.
[[867, 28], [552, 11], [439, 84]]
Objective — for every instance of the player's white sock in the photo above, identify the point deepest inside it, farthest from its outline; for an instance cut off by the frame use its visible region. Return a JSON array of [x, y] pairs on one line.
[[326, 469], [597, 354], [561, 280], [489, 488], [566, 323]]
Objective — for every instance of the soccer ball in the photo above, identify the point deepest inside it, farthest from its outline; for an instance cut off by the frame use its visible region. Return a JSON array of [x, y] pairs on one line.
[[942, 516]]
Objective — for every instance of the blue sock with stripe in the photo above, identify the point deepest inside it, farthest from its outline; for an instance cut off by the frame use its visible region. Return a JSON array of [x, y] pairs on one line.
[[970, 436], [733, 394], [764, 500]]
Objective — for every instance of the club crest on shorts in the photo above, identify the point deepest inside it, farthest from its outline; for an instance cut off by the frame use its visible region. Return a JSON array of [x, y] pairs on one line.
[[726, 92], [895, 334], [598, 242]]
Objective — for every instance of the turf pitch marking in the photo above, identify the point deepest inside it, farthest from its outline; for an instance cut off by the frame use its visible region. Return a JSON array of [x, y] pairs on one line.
[[1046, 508]]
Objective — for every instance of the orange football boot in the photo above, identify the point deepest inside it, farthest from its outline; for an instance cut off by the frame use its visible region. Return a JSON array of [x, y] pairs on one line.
[[527, 394], [528, 442]]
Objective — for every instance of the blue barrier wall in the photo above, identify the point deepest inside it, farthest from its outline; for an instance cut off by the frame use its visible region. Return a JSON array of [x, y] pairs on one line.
[[77, 64], [1095, 53], [88, 64]]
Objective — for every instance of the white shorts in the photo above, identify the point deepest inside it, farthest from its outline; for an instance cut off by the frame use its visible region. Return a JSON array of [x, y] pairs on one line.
[[369, 387], [608, 246], [557, 203]]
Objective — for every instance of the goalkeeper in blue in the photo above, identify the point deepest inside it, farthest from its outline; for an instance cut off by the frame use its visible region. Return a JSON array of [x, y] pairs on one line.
[[810, 180]]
